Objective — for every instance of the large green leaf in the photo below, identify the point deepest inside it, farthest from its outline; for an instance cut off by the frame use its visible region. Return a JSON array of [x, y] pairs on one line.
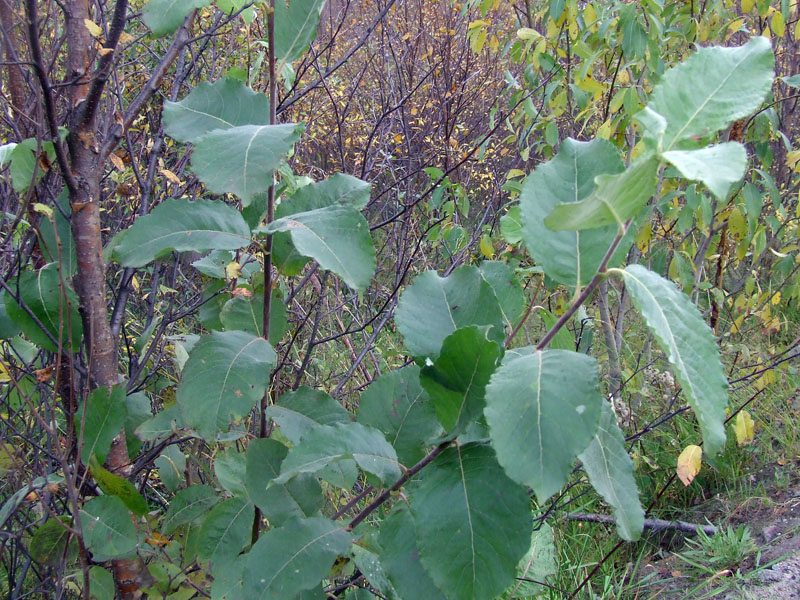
[[689, 345], [507, 288], [295, 557], [165, 16], [299, 498], [542, 408], [300, 411], [182, 225], [610, 471], [325, 444], [295, 27], [187, 506], [569, 257], [711, 89], [105, 415], [41, 292], [226, 530], [108, 530], [226, 374], [718, 167], [396, 404], [473, 523], [247, 314], [337, 237], [456, 381], [224, 104], [241, 160], [615, 199], [433, 307]]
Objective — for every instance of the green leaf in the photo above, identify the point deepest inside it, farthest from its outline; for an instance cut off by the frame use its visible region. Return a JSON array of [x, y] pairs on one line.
[[456, 381], [396, 404], [615, 199], [226, 530], [229, 467], [433, 307], [299, 498], [251, 154], [182, 225], [711, 89], [8, 328], [12, 504], [101, 584], [167, 421], [511, 225], [24, 163], [569, 257], [610, 471], [108, 530], [137, 409], [221, 105], [226, 374], [247, 314], [56, 238], [187, 506], [171, 466], [400, 557], [325, 444], [295, 28], [506, 287], [689, 345], [300, 411], [165, 16], [719, 167], [114, 485], [538, 563], [542, 408], [473, 523], [337, 237], [41, 292], [106, 412], [50, 541], [563, 340], [292, 558]]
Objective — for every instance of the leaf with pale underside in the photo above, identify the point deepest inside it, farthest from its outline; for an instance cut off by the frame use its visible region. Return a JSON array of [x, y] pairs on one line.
[[165, 16], [719, 167], [689, 345], [295, 27], [542, 408]]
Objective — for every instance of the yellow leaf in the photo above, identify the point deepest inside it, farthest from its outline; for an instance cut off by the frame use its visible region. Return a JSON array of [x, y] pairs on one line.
[[170, 176], [104, 51], [747, 5], [233, 270], [689, 463], [797, 31], [94, 28], [776, 299], [5, 376], [644, 237], [526, 33], [494, 44], [486, 247], [42, 209], [125, 37], [744, 428], [590, 17], [117, 161], [778, 25]]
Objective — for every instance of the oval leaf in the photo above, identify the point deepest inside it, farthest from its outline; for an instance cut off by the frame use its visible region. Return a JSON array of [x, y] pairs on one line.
[[689, 463], [108, 530]]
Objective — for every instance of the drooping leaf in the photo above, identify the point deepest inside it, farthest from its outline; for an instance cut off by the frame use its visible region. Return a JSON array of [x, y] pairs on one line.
[[396, 404], [433, 307], [105, 412], [569, 257], [182, 225], [247, 314], [400, 557], [615, 199], [295, 27], [299, 498], [367, 558], [337, 237], [325, 444], [108, 530], [456, 381], [292, 558], [114, 485], [226, 374], [689, 462], [50, 541], [689, 346], [719, 167], [251, 155], [165, 16], [538, 563], [542, 409], [188, 505], [171, 466], [712, 88], [56, 238], [298, 412], [473, 523], [226, 530], [507, 288], [744, 428], [511, 225], [41, 292], [610, 471], [224, 104]]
